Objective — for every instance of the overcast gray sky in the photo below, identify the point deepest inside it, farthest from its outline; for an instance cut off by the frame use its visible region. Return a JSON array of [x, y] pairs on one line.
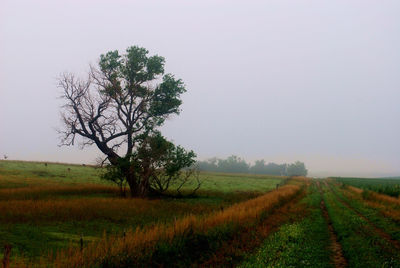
[[316, 81]]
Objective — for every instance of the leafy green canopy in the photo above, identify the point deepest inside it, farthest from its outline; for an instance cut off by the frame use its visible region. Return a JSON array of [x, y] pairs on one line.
[[119, 108]]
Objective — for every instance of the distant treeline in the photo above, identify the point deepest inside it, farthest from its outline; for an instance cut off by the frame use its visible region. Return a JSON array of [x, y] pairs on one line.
[[235, 164]]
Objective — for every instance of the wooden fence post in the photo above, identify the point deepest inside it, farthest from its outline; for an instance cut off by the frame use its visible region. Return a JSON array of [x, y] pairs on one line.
[[81, 242], [7, 253], [174, 225]]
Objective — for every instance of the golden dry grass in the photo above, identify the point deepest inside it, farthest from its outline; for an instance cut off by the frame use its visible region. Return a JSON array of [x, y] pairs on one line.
[[71, 209], [355, 189], [89, 209], [54, 191], [389, 206], [376, 197], [385, 199]]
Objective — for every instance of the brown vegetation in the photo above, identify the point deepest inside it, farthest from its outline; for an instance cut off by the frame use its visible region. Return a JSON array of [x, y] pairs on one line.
[[79, 209], [54, 191], [389, 206]]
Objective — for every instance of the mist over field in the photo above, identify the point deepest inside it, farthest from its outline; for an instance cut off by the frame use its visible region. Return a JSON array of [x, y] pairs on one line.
[[313, 81], [199, 133]]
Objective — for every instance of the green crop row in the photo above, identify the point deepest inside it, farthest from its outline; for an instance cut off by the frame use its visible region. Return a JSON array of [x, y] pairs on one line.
[[362, 245], [299, 244]]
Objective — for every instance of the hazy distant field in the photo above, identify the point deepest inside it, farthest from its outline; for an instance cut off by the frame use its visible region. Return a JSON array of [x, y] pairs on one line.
[[17, 174], [234, 220], [389, 186]]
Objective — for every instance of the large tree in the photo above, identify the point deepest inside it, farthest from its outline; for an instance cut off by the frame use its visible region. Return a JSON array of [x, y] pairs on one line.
[[119, 107]]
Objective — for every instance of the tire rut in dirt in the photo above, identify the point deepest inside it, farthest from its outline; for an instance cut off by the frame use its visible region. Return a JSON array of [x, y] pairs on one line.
[[337, 253]]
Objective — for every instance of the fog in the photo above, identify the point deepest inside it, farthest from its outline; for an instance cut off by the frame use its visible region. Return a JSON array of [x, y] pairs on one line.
[[315, 81]]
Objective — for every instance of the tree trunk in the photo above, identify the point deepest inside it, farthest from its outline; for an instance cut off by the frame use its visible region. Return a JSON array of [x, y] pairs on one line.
[[144, 187], [133, 185], [138, 189], [139, 186]]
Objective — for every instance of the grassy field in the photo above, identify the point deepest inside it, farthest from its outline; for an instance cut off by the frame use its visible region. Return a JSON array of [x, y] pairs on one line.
[[46, 207], [388, 186], [364, 243], [242, 220]]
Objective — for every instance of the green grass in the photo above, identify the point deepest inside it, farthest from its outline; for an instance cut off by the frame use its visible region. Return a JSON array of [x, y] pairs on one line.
[[15, 174], [372, 214], [388, 186], [299, 244], [226, 182], [33, 234], [362, 246]]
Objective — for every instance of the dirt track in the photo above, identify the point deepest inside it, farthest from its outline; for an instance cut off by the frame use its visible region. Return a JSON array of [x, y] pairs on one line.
[[379, 231], [337, 252]]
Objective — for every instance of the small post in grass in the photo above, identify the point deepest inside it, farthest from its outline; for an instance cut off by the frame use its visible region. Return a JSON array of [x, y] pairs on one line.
[[81, 242], [7, 254], [174, 225]]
